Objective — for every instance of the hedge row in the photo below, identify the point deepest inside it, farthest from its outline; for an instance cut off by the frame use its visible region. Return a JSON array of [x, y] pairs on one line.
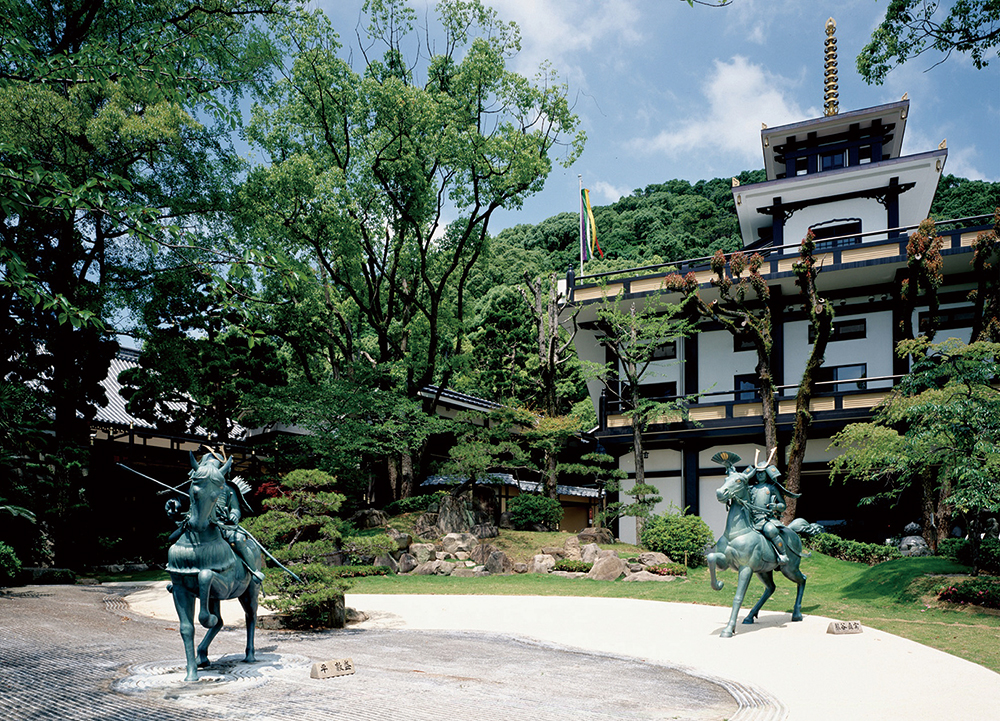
[[870, 553]]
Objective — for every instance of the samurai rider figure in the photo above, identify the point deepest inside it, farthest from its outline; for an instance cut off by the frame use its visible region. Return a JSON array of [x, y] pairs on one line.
[[229, 510], [767, 502]]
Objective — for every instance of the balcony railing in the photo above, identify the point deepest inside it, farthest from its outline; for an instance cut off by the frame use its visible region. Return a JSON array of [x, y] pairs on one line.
[[877, 244], [844, 394]]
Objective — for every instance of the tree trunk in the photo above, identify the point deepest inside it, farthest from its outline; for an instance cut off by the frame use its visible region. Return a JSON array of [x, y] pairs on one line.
[[551, 475], [930, 533]]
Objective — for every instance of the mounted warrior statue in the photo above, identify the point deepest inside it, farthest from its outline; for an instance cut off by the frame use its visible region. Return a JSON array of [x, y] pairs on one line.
[[755, 539], [212, 559]]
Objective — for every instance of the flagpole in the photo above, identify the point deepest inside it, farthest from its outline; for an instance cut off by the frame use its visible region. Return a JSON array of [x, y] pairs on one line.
[[579, 196]]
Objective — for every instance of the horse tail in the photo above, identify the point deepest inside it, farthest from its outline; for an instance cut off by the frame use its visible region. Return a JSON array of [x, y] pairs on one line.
[[802, 527]]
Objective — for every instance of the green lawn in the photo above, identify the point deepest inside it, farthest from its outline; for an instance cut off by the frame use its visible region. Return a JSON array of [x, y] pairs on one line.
[[896, 596]]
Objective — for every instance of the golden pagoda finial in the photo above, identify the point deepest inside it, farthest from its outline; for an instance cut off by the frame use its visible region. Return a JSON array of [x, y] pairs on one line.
[[830, 105], [736, 182]]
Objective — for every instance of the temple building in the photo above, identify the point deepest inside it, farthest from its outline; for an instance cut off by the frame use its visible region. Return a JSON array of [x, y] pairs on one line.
[[842, 177]]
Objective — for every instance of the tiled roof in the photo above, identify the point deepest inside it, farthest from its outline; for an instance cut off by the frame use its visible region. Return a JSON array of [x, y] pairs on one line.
[[115, 412], [509, 480]]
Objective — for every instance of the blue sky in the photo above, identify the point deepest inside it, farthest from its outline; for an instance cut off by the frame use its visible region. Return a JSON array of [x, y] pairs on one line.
[[668, 91]]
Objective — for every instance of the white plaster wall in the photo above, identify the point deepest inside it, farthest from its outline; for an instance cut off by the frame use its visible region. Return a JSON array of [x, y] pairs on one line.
[[588, 349], [871, 213], [712, 512], [717, 364], [671, 488], [875, 349]]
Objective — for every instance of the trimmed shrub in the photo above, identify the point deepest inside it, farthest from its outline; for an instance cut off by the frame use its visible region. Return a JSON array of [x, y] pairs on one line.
[[870, 553], [316, 602], [10, 565], [527, 510], [360, 571], [413, 503], [668, 569], [989, 555], [977, 591], [679, 536], [567, 564], [363, 550]]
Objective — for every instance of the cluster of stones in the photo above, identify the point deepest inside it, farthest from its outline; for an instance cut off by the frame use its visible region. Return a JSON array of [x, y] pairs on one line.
[[465, 555]]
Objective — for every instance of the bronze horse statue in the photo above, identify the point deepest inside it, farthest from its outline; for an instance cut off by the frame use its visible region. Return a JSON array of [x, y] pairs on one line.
[[203, 565], [748, 551]]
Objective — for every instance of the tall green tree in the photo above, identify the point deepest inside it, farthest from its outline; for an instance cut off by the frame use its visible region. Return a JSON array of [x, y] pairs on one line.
[[939, 427], [380, 182], [114, 119]]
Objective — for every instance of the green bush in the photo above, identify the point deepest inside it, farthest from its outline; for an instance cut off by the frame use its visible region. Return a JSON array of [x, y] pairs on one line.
[[567, 564], [527, 510], [682, 537], [413, 503], [870, 553], [989, 555], [363, 550], [10, 565], [977, 591], [954, 548], [668, 569], [316, 602], [360, 571]]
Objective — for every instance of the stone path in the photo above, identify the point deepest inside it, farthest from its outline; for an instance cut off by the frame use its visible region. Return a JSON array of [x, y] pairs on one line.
[[80, 652]]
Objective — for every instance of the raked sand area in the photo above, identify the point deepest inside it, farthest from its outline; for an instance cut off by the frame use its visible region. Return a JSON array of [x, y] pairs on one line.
[[813, 675]]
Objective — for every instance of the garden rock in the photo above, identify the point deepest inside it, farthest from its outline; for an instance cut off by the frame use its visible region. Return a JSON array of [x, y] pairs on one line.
[[635, 567], [426, 526], [481, 553], [588, 554], [595, 535], [407, 563], [914, 546], [368, 518], [403, 540], [606, 553], [459, 542], [484, 530], [423, 552], [389, 561], [608, 568], [652, 558], [434, 568], [352, 615], [520, 568], [499, 564], [454, 515], [463, 573], [647, 576], [571, 549], [569, 574], [556, 553], [542, 563]]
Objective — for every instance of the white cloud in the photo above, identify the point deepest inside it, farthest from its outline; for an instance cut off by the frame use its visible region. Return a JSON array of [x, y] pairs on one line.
[[740, 96], [555, 31], [608, 191]]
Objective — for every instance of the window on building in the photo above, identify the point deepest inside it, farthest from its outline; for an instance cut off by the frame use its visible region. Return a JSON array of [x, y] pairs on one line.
[[667, 351], [832, 161], [840, 232], [745, 386], [948, 319], [852, 329], [743, 342], [853, 376], [864, 154], [658, 391]]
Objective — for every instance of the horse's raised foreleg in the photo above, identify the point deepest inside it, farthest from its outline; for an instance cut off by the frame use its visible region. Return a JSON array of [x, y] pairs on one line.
[[768, 579], [184, 604], [215, 606], [248, 599], [746, 573], [716, 559], [206, 577]]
